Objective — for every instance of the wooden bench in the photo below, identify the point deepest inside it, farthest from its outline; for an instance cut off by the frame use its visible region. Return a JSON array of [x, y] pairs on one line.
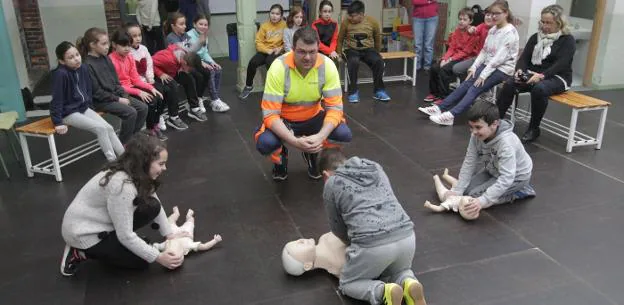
[[579, 103], [405, 55], [44, 128]]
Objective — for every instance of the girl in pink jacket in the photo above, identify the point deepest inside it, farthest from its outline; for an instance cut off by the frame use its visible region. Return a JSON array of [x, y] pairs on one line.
[[131, 81]]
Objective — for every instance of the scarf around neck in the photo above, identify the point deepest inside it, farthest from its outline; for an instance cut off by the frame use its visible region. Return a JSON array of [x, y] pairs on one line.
[[543, 47]]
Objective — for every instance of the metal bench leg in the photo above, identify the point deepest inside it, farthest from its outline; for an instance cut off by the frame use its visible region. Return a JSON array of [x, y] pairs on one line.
[[414, 73], [13, 145], [405, 76], [6, 171], [572, 131], [55, 160], [601, 126], [514, 104], [346, 78], [26, 153]]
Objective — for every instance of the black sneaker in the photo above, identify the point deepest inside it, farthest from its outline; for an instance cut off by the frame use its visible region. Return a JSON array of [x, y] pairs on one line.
[[176, 123], [161, 136], [71, 260], [245, 93], [280, 171], [197, 114], [311, 161]]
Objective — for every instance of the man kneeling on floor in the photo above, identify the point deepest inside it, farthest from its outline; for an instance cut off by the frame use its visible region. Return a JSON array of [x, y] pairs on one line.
[[291, 106], [364, 213], [507, 167]]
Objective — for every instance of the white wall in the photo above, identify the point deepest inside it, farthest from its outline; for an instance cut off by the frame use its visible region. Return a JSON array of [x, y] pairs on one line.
[[608, 70], [217, 38], [16, 44], [67, 20]]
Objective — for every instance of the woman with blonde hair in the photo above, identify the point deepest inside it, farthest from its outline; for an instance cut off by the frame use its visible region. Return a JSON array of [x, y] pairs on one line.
[[544, 69]]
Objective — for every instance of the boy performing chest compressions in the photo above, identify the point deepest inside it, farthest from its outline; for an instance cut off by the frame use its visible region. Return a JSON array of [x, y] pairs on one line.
[[364, 213]]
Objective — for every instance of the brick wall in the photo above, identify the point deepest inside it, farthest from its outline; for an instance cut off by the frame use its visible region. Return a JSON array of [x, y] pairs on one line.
[[113, 15], [37, 53]]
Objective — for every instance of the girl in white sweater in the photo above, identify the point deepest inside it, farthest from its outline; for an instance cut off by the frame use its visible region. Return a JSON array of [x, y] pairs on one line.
[[495, 63], [101, 221], [294, 22]]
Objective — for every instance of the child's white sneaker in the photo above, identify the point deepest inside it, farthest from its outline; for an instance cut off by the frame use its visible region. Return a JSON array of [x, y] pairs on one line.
[[161, 123], [219, 106], [200, 101], [446, 118], [431, 110]]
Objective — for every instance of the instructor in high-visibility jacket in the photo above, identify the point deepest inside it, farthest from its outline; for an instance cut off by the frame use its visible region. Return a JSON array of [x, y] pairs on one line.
[[298, 85]]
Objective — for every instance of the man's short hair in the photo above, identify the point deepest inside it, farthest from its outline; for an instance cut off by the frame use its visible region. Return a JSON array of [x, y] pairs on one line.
[[356, 7], [484, 110], [466, 11], [331, 159], [307, 34]]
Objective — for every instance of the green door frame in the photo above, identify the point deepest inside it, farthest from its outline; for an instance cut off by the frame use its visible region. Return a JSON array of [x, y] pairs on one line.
[[454, 6], [10, 92]]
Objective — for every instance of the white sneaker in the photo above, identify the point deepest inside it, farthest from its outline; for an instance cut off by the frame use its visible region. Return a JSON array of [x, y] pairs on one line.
[[431, 110], [446, 119], [219, 106], [161, 123], [201, 104]]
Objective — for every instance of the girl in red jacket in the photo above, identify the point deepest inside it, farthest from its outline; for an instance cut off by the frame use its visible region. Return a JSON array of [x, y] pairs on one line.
[[462, 46], [327, 29], [131, 81], [145, 68], [177, 62]]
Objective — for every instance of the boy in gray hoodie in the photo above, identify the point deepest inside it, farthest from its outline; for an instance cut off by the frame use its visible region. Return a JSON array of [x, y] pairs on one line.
[[496, 168], [364, 213]]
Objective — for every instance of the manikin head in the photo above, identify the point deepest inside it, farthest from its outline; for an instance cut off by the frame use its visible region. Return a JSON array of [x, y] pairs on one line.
[[483, 119], [298, 256], [462, 209]]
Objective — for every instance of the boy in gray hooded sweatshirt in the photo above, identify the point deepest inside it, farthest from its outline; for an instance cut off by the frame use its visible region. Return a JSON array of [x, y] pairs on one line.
[[496, 168], [364, 213]]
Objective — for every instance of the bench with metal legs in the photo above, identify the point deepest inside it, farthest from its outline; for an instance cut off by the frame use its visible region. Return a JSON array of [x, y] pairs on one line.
[[405, 55], [579, 103]]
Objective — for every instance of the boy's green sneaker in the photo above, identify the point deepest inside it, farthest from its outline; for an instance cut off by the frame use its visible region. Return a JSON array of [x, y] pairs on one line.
[[413, 292], [393, 294]]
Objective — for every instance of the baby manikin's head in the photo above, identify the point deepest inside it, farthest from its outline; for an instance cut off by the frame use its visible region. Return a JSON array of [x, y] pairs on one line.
[[298, 256], [462, 210]]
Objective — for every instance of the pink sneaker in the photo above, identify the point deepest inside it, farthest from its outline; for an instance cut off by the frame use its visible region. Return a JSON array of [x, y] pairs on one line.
[[430, 98]]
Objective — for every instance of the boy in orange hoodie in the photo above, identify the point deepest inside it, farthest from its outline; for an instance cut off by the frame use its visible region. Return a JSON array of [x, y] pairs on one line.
[[462, 46]]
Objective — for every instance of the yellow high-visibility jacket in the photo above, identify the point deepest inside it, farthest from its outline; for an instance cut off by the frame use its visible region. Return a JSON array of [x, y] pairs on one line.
[[289, 95]]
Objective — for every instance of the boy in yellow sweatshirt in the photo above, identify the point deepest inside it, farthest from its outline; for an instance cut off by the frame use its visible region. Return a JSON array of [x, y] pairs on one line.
[[360, 35], [269, 44]]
